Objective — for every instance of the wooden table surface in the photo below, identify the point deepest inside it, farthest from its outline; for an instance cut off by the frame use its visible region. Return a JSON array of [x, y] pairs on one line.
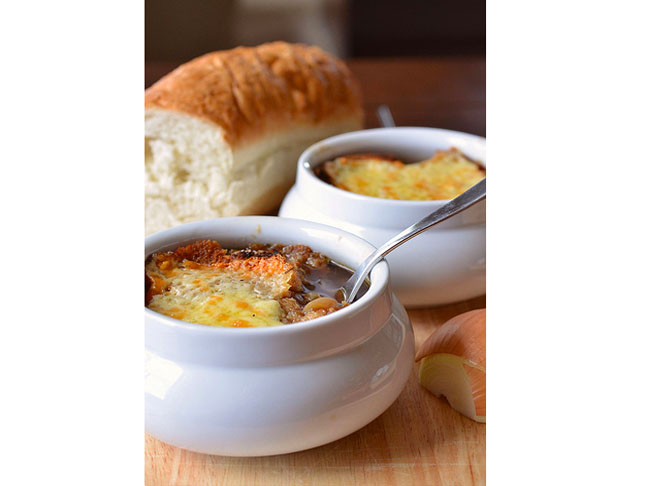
[[419, 440]]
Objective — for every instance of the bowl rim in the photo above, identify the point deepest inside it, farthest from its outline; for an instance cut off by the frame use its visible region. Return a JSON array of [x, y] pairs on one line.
[[381, 279], [306, 168]]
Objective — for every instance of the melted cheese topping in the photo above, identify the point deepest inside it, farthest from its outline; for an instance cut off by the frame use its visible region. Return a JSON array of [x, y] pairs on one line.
[[444, 176], [259, 286], [216, 297], [205, 284]]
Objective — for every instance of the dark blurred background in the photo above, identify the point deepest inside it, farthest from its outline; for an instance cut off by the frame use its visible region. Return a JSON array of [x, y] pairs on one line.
[[425, 58]]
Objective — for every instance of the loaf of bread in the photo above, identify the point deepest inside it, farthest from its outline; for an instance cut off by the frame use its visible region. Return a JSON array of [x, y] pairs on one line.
[[223, 132]]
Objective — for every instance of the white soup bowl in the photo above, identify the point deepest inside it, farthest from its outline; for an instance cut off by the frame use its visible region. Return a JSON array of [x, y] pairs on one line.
[[273, 390], [445, 264]]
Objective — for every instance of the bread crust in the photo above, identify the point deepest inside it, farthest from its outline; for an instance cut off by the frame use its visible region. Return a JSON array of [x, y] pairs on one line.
[[252, 91]]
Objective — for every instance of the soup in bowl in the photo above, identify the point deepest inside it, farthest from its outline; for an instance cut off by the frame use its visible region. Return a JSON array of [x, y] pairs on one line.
[[257, 286], [254, 391], [445, 264]]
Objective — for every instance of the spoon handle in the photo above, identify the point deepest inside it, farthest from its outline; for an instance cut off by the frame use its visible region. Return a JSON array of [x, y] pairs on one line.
[[385, 116], [463, 201]]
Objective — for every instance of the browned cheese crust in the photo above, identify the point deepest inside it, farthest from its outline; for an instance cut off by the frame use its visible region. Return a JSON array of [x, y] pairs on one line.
[[251, 90], [285, 271]]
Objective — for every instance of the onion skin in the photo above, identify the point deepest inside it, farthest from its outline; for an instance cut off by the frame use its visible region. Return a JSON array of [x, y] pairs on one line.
[[454, 363]]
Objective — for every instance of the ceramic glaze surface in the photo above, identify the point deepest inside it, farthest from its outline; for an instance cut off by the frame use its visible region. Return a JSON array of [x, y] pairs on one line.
[[443, 265], [264, 391]]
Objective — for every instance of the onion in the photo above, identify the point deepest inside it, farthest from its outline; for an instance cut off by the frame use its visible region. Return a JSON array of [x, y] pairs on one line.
[[321, 303], [453, 363]]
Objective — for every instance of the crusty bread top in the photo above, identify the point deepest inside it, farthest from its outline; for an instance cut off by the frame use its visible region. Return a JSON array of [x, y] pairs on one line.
[[249, 91]]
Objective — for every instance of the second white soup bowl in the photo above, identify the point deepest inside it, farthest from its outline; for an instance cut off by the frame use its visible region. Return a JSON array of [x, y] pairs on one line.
[[445, 264], [273, 390]]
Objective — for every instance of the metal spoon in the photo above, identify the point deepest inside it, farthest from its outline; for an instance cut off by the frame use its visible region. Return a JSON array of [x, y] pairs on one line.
[[463, 201], [385, 116]]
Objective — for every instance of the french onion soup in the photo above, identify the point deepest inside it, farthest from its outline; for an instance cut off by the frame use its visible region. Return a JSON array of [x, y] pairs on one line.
[[445, 175], [257, 286]]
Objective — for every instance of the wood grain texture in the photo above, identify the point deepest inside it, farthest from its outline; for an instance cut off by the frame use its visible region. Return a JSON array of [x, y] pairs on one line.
[[419, 440]]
